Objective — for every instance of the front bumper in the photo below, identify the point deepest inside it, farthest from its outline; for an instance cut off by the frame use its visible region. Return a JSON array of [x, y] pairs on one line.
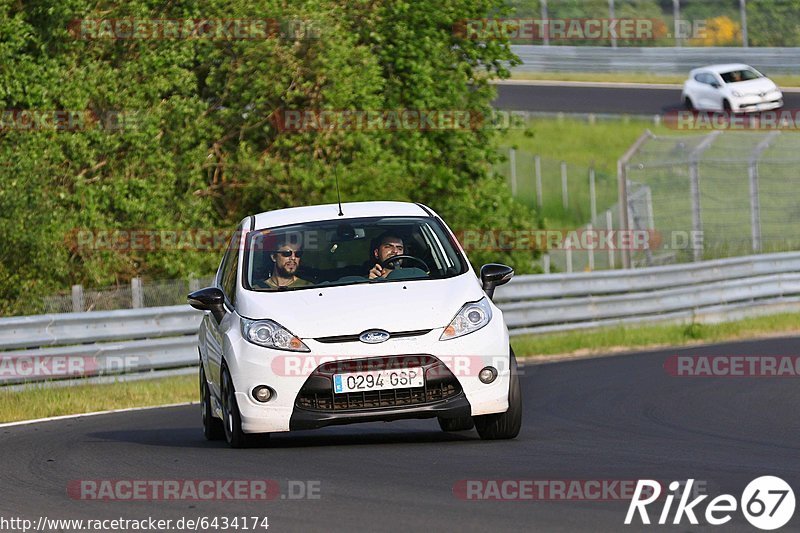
[[287, 373], [456, 406], [752, 104]]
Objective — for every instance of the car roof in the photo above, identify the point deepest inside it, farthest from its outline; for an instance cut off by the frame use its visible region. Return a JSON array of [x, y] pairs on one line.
[[299, 215], [722, 67]]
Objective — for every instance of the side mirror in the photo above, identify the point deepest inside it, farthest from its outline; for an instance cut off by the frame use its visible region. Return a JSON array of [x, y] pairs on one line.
[[209, 299], [493, 275], [715, 84]]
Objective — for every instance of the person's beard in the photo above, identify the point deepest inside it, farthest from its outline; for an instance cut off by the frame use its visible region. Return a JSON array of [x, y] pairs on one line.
[[284, 271]]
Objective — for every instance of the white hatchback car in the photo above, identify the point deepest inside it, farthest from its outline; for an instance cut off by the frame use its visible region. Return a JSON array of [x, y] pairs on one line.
[[734, 87], [324, 315]]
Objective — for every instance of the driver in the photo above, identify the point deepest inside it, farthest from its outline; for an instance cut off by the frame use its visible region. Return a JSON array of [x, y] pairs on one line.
[[388, 245]]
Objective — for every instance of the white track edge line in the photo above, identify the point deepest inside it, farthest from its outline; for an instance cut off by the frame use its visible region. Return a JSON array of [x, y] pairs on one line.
[[95, 413]]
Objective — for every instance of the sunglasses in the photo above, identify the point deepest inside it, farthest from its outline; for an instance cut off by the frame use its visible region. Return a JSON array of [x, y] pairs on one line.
[[288, 253]]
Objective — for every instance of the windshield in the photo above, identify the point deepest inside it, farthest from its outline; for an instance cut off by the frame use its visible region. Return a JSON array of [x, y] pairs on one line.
[[735, 76], [345, 252]]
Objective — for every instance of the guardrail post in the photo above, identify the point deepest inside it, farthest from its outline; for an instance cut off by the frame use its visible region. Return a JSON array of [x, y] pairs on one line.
[[564, 192], [137, 298], [546, 263], [77, 299], [512, 161], [591, 245], [537, 163]]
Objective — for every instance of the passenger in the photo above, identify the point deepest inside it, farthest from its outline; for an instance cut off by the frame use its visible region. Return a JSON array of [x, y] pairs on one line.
[[284, 273]]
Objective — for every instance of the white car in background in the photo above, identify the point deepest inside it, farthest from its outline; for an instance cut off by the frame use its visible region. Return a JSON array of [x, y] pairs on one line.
[[734, 87], [300, 332]]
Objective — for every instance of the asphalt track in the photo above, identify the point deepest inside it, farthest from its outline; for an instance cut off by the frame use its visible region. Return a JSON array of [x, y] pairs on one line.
[[614, 418], [585, 98]]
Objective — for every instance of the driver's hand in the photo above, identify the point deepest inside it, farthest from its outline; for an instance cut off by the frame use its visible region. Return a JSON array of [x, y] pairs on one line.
[[378, 272]]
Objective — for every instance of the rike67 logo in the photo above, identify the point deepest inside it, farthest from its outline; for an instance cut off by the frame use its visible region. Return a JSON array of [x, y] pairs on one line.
[[767, 503]]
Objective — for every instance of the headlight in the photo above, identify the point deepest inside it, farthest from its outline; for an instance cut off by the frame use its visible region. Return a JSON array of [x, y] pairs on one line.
[[270, 334], [737, 94], [471, 317]]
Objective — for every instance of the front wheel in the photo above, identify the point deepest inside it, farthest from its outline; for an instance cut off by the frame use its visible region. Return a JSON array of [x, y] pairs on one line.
[[504, 425], [232, 419], [212, 426]]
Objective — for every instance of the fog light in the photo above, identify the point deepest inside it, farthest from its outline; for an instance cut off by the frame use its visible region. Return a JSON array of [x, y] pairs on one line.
[[262, 393], [488, 374]]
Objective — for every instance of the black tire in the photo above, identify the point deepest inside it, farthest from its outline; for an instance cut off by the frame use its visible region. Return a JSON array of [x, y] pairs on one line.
[[462, 423], [232, 419], [504, 425], [687, 102], [212, 426], [726, 105]]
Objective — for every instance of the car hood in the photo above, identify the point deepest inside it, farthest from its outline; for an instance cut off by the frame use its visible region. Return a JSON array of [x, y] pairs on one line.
[[758, 85], [392, 306]]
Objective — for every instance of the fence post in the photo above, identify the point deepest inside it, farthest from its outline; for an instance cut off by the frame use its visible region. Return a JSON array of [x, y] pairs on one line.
[[755, 202], [622, 189], [694, 190], [546, 262], [512, 161], [545, 20], [609, 228], [743, 16], [137, 300], [590, 229], [611, 17], [194, 284], [592, 195], [568, 250], [564, 192], [77, 299], [676, 17], [537, 163]]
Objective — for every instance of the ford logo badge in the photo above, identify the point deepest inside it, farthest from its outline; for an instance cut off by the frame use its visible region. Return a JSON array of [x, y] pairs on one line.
[[374, 336]]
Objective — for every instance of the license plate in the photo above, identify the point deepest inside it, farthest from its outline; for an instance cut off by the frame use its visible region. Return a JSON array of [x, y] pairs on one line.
[[378, 380]]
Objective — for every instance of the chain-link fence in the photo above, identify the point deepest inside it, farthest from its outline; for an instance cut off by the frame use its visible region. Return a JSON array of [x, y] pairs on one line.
[[719, 194], [671, 22], [139, 293]]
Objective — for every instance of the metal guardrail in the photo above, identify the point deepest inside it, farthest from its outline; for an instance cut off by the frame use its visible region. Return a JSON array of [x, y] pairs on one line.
[[125, 342], [657, 60]]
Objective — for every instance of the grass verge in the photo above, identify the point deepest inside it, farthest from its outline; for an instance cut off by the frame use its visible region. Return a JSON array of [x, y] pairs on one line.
[[46, 402], [41, 403], [615, 339], [783, 80]]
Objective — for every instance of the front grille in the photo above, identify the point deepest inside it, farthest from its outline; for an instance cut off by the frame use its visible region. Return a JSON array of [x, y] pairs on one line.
[[355, 337], [317, 392], [377, 399]]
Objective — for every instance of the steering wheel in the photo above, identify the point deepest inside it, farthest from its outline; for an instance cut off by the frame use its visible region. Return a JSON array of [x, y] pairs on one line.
[[395, 258]]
